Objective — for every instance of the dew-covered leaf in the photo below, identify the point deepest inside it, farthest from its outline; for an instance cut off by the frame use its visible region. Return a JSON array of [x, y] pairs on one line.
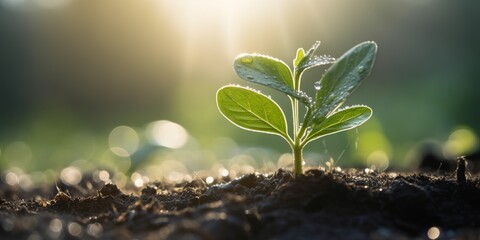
[[311, 60], [251, 110], [342, 78], [342, 120], [317, 61], [267, 71], [263, 70]]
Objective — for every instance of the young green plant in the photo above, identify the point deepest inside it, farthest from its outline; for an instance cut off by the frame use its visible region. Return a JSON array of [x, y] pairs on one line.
[[251, 110]]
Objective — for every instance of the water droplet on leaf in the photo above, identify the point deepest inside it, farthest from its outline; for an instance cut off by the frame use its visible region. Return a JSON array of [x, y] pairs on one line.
[[310, 100], [361, 69], [316, 85], [309, 129], [250, 77]]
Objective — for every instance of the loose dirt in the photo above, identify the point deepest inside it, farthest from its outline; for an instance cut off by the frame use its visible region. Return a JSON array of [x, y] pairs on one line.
[[351, 204]]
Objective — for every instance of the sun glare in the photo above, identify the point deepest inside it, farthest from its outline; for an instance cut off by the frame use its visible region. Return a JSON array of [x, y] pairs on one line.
[[220, 27], [201, 18]]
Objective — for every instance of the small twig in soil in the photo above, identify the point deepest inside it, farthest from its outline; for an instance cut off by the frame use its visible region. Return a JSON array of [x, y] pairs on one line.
[[461, 165]]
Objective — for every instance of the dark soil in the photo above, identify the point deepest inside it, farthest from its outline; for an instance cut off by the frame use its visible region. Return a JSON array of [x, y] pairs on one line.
[[316, 205]]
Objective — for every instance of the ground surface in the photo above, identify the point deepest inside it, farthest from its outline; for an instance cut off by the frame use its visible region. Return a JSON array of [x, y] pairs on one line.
[[318, 205]]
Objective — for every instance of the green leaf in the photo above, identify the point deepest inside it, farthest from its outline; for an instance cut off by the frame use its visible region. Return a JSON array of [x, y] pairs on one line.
[[251, 110], [267, 71], [316, 61], [342, 78], [263, 70], [310, 60], [342, 120], [299, 57]]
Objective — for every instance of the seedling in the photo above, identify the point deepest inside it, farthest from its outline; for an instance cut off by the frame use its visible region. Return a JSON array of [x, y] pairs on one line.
[[251, 110], [461, 166]]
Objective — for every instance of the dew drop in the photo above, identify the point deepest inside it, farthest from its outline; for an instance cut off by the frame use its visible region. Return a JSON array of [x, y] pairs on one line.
[[361, 69], [317, 85], [250, 77], [309, 129], [247, 59], [266, 77]]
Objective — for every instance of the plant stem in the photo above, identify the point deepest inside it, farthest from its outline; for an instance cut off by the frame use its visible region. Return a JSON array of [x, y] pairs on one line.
[[297, 146], [306, 123], [294, 115], [299, 143], [297, 158]]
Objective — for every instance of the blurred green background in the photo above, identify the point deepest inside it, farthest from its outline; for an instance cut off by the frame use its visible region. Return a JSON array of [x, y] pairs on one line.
[[129, 86]]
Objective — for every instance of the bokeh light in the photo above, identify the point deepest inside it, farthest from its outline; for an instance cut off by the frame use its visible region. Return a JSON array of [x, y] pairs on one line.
[[11, 179], [104, 176], [461, 141], [75, 229], [433, 233], [139, 180], [55, 228], [209, 180], [95, 230], [378, 160], [123, 141], [223, 172], [71, 176], [285, 161], [167, 134]]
